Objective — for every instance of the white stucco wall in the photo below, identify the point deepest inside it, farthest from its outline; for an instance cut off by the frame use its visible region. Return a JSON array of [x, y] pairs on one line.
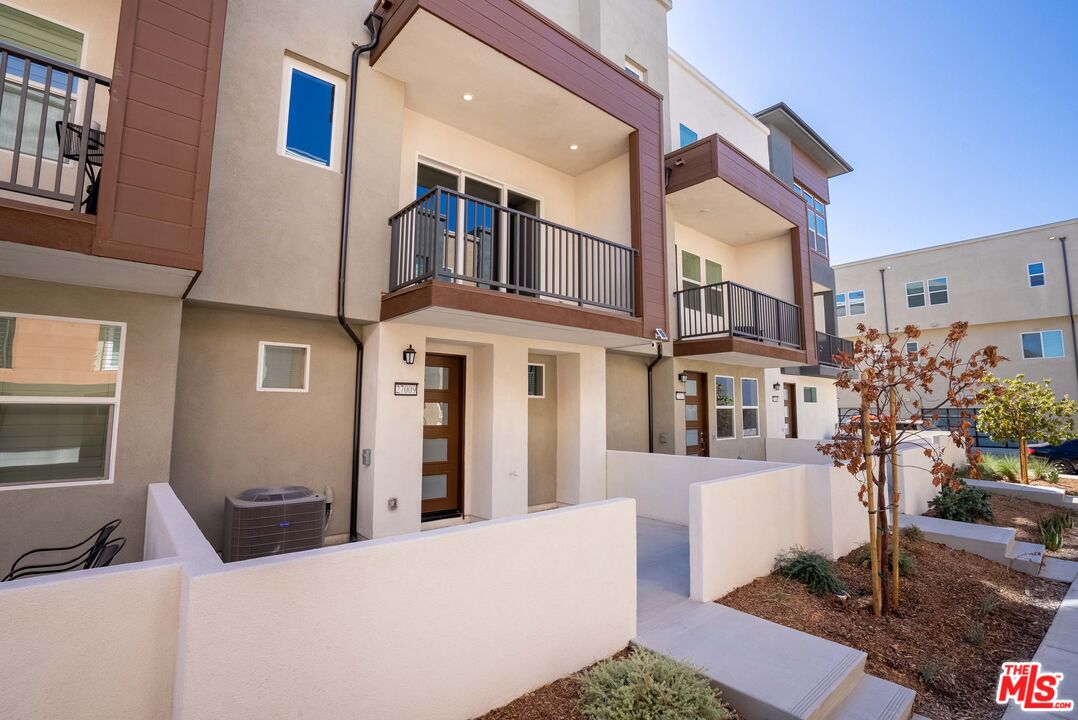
[[815, 420], [660, 483], [379, 629], [94, 644]]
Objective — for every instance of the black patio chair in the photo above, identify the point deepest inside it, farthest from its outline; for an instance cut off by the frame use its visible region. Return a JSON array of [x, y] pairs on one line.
[[69, 135], [89, 553]]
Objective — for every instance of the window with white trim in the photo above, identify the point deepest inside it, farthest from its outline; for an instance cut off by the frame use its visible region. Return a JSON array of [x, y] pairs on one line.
[[817, 220], [850, 303], [750, 407], [283, 367], [536, 380], [1042, 344], [810, 394], [635, 70], [724, 407], [912, 347], [936, 294], [59, 399], [1035, 272], [311, 115]]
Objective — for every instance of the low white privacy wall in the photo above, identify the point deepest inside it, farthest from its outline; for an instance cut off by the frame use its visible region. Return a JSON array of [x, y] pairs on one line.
[[444, 624], [660, 483], [447, 624]]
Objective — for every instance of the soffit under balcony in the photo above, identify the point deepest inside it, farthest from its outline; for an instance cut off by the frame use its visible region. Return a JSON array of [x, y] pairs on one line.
[[512, 106]]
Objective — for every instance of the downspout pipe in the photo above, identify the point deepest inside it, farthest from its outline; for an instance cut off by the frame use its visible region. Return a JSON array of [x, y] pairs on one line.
[[1070, 302], [651, 398], [373, 23]]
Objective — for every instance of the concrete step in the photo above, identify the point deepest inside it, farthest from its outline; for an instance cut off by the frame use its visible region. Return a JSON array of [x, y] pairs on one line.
[[875, 699], [1060, 570], [764, 670], [1026, 557]]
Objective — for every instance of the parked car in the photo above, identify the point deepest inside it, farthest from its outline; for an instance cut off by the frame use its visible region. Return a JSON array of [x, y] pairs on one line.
[[1063, 456]]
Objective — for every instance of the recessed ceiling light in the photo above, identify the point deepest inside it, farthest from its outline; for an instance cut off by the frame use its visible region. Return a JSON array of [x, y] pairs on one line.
[[574, 146], [468, 97]]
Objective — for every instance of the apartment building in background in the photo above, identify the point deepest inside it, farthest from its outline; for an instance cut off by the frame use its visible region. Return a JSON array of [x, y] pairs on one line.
[[543, 197], [1015, 289]]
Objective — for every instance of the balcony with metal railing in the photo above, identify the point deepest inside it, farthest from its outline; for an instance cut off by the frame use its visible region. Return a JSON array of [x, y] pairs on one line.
[[829, 347], [447, 237], [727, 309], [51, 144]]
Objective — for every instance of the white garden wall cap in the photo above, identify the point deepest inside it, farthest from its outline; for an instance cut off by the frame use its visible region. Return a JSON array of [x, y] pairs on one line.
[[954, 528], [87, 575]]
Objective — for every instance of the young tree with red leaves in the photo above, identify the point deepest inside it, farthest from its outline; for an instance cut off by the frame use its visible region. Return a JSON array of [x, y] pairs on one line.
[[902, 394]]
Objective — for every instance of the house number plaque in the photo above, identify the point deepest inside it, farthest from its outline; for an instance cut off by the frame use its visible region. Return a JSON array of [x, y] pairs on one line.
[[409, 389]]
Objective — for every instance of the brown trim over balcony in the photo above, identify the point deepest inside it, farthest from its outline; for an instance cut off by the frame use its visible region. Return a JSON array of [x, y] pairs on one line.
[[714, 158], [717, 345], [523, 35]]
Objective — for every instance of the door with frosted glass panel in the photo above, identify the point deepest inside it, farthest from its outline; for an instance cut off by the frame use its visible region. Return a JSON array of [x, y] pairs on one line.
[[695, 414], [443, 434]]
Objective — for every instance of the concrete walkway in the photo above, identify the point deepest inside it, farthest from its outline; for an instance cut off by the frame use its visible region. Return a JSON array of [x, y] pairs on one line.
[[764, 670], [1058, 653]]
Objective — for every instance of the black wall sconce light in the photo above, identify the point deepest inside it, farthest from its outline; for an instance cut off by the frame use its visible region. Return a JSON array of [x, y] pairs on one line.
[[683, 377], [409, 356], [776, 386]]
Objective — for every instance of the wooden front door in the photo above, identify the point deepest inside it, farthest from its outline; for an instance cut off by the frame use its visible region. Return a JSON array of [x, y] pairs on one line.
[[789, 405], [443, 437], [696, 432]]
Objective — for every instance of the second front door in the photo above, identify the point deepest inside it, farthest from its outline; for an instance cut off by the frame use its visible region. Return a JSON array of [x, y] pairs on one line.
[[443, 437], [696, 431]]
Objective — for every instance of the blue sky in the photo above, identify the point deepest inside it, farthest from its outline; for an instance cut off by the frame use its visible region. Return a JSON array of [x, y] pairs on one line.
[[960, 118]]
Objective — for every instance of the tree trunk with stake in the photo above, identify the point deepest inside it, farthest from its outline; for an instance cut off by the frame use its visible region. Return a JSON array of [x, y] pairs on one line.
[[895, 534], [1023, 459], [874, 558], [881, 523]]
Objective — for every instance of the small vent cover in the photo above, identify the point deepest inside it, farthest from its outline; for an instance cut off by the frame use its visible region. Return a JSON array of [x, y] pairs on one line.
[[273, 520]]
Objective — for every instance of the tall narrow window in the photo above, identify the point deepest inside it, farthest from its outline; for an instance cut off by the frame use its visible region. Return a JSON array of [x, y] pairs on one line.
[[59, 399], [817, 220], [724, 407], [7, 340], [536, 380], [312, 102], [1035, 271], [750, 407], [690, 279], [687, 135]]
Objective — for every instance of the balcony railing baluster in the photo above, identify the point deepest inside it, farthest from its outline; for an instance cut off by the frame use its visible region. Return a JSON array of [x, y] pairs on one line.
[[828, 346], [545, 259], [63, 91], [727, 308]]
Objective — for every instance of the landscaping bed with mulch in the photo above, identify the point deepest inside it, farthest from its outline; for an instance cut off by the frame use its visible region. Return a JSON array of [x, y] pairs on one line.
[[961, 617], [561, 699], [1023, 515]]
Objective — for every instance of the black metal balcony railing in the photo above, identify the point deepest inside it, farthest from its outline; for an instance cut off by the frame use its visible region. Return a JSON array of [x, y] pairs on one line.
[[828, 346], [46, 128], [727, 308], [449, 236]]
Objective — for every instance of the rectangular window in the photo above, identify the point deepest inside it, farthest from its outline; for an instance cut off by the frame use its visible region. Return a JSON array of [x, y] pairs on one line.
[[750, 407], [724, 407], [810, 394], [536, 380], [1035, 271], [283, 367], [688, 135], [850, 303], [1044, 344], [840, 305], [915, 294], [912, 347], [312, 111], [59, 399], [635, 70], [690, 279], [936, 294], [937, 291]]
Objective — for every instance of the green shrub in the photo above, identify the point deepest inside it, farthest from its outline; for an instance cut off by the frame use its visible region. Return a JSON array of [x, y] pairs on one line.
[[912, 533], [1043, 469], [810, 568], [1053, 529], [989, 603], [931, 670], [1006, 467], [907, 564], [648, 685], [967, 504], [975, 634]]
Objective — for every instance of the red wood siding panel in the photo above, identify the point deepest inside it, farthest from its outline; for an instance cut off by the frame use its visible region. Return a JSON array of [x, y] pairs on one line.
[[162, 107], [715, 158], [522, 34], [810, 175]]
